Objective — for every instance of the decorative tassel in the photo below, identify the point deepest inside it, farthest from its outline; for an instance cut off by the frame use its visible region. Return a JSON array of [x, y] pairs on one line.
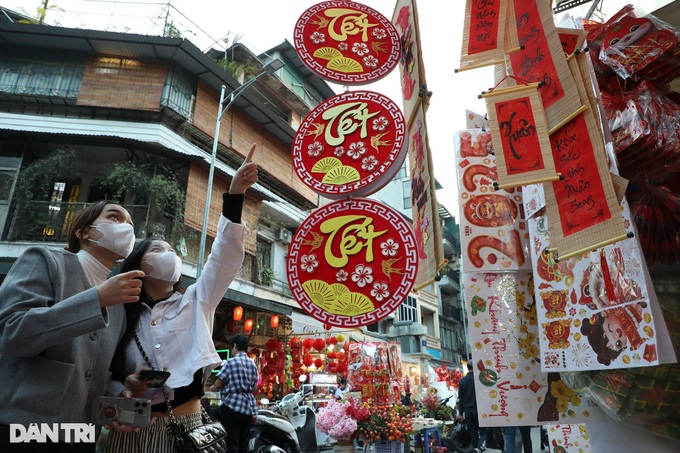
[[608, 284]]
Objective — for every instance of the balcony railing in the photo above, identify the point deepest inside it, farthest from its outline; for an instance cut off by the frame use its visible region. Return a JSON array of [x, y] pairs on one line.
[[42, 221]]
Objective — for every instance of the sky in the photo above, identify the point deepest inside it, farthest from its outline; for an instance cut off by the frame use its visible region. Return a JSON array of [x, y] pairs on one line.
[[263, 24]]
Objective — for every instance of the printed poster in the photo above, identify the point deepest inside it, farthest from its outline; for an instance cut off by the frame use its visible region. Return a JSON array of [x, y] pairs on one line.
[[511, 388], [587, 321], [492, 226], [569, 438]]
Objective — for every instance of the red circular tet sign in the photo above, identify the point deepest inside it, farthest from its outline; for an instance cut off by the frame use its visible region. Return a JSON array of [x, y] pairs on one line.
[[352, 262], [351, 144], [347, 42]]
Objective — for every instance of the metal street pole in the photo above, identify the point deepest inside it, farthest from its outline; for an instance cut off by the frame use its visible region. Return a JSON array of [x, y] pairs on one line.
[[266, 69]]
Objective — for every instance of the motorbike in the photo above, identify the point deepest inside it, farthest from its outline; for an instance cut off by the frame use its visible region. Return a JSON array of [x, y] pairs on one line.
[[288, 426], [458, 440]]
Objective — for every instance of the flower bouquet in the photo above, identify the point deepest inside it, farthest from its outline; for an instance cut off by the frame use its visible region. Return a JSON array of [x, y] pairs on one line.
[[337, 420]]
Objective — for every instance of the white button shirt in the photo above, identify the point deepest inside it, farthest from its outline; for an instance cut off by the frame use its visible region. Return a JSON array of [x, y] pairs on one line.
[[177, 333]]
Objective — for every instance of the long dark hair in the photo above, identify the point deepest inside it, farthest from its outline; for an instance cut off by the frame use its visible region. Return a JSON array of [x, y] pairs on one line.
[[132, 310]]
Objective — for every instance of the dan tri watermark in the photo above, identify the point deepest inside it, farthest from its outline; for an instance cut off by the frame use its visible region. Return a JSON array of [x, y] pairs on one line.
[[53, 432]]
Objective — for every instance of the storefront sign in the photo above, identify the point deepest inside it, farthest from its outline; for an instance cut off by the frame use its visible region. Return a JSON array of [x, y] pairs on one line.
[[350, 145], [352, 262], [347, 42]]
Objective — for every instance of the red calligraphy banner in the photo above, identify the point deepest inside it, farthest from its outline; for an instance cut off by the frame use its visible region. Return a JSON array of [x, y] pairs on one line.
[[484, 26], [484, 33], [583, 208], [571, 39], [518, 127], [521, 148], [580, 196], [535, 63], [542, 60]]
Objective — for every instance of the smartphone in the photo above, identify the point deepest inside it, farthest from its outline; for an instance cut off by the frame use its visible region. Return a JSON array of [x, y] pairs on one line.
[[133, 412], [156, 378]]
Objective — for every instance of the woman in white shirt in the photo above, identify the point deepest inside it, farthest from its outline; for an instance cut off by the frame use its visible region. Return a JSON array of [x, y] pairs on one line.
[[171, 329]]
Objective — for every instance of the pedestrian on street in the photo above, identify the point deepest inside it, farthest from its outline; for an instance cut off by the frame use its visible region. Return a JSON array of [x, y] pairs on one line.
[[237, 381], [468, 405], [61, 320], [509, 438]]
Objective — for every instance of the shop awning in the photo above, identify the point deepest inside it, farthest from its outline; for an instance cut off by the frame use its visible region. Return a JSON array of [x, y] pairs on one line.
[[258, 303]]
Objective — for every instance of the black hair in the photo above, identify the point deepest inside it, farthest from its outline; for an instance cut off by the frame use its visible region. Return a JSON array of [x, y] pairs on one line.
[[343, 381], [132, 310], [241, 342], [469, 366], [594, 331]]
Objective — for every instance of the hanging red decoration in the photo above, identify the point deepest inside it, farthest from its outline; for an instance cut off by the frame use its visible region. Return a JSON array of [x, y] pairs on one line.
[[307, 343], [295, 343], [333, 340], [308, 360], [274, 322], [238, 313], [328, 341], [318, 363], [340, 355], [332, 355], [271, 344], [319, 344], [248, 326], [346, 346]]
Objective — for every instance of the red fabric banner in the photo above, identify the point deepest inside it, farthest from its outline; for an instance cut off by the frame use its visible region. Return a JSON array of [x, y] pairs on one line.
[[580, 196], [520, 143], [484, 21], [535, 63]]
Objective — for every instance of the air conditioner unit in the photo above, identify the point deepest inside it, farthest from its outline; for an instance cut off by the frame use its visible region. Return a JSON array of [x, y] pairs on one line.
[[284, 236]]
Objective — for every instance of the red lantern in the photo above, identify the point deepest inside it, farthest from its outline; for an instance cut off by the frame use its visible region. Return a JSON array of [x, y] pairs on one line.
[[248, 326], [271, 344], [318, 363], [274, 321], [238, 313], [333, 340], [308, 360], [295, 343], [319, 344], [332, 355], [340, 355], [307, 343]]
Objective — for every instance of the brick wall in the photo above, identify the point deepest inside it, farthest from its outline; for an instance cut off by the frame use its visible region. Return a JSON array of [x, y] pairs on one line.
[[123, 83], [272, 156], [195, 204]]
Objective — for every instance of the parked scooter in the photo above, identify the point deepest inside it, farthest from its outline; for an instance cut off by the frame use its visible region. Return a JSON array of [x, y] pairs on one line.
[[459, 440], [289, 426]]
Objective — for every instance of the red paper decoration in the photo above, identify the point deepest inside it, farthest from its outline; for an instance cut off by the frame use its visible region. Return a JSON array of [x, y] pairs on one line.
[[248, 326], [295, 343], [318, 363], [362, 148], [238, 313], [274, 323], [319, 344], [346, 42], [352, 262], [307, 343], [308, 360]]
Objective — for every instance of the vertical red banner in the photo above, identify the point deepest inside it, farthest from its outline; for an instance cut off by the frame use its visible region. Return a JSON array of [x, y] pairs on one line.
[[484, 20], [535, 63], [580, 196], [520, 143]]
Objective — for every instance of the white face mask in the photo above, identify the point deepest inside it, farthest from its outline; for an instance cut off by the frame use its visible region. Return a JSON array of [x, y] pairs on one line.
[[166, 266], [116, 237]]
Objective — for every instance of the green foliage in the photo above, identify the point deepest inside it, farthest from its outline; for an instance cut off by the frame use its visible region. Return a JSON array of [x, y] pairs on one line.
[[151, 184], [236, 69], [266, 275], [36, 180], [443, 412]]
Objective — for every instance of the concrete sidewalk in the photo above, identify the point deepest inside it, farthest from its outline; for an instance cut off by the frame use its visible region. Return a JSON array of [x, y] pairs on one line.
[[535, 442]]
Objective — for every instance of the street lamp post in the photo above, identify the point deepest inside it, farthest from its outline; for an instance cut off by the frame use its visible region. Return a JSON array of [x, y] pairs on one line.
[[268, 68]]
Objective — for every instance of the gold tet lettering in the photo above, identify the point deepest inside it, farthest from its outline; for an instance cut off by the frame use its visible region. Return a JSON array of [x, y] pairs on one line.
[[351, 22], [344, 119], [356, 232]]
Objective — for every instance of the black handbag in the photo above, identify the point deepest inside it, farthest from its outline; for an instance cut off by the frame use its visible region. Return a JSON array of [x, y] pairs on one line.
[[210, 437]]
